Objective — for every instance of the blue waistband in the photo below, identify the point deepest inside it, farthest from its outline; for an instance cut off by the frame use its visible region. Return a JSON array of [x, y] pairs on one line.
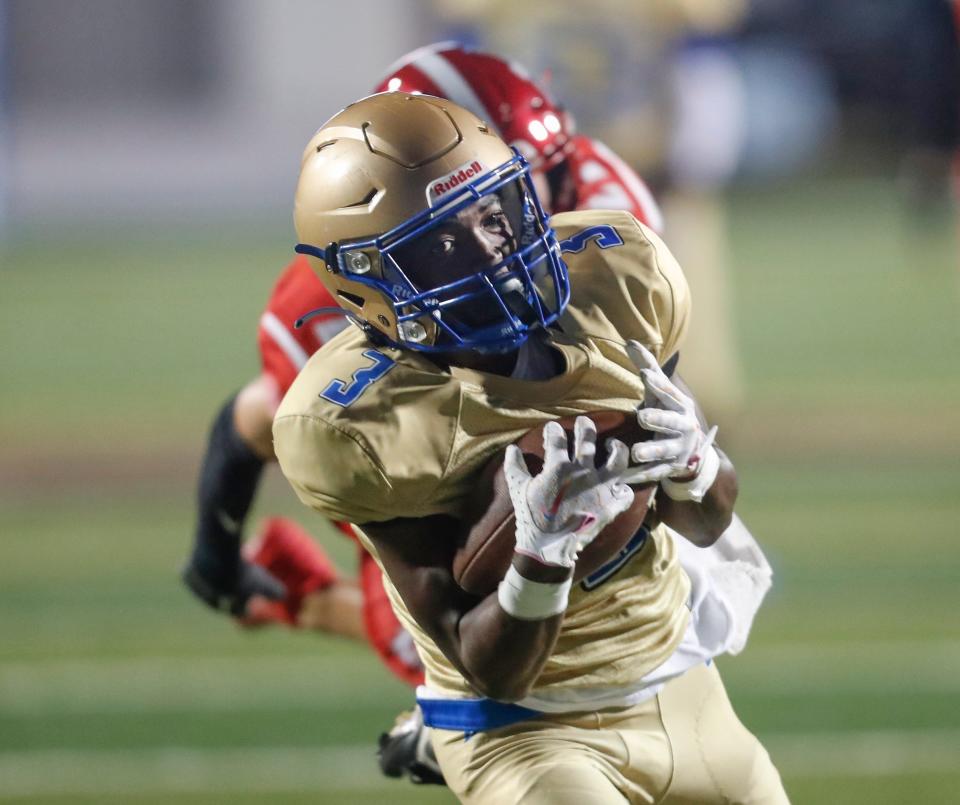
[[472, 715]]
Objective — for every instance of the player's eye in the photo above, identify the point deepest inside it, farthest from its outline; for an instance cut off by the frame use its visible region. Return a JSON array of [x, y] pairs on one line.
[[495, 220], [443, 247]]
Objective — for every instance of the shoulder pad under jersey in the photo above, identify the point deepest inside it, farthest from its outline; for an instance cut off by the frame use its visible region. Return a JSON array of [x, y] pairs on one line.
[[358, 436], [625, 283]]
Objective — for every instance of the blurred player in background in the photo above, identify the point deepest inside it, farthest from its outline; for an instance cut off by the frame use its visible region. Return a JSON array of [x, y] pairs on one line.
[[472, 330], [281, 575]]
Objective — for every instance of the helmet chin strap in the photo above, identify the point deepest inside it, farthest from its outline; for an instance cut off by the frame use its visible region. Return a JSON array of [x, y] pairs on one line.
[[515, 298], [336, 311]]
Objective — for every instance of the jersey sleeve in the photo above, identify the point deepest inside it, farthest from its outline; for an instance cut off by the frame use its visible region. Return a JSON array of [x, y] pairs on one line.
[[285, 349], [359, 436], [332, 471]]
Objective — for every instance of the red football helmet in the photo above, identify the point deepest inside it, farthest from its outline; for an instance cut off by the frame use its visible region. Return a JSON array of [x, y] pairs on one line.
[[497, 91]]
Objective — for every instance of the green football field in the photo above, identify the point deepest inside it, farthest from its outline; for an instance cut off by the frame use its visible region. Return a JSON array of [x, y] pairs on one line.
[[116, 687]]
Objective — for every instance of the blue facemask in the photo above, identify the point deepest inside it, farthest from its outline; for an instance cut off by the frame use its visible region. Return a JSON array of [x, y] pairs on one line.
[[491, 310]]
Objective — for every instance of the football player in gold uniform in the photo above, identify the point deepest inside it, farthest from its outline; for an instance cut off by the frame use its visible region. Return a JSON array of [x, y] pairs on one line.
[[570, 171], [478, 320]]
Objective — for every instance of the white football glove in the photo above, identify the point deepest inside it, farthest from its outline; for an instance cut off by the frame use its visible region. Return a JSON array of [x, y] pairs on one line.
[[563, 508], [681, 449]]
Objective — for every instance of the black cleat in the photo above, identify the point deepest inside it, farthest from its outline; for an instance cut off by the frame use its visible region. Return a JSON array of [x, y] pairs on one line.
[[406, 751]]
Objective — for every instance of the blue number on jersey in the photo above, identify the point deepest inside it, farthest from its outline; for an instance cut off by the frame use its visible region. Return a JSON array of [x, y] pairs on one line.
[[601, 574], [604, 235], [344, 393]]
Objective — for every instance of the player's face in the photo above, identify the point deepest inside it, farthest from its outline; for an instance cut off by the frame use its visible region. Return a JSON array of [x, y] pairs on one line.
[[476, 238]]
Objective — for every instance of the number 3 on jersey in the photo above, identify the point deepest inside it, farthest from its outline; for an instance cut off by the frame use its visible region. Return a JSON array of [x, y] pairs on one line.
[[604, 235], [343, 393]]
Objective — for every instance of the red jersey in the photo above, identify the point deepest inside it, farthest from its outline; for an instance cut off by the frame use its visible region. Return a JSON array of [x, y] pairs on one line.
[[283, 348], [605, 182]]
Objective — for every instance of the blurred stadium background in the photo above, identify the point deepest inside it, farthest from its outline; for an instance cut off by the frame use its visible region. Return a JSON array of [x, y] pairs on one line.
[[148, 153]]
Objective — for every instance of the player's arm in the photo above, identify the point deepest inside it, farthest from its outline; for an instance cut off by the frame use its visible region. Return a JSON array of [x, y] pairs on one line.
[[253, 412], [238, 446], [501, 642], [498, 654], [700, 522], [698, 483]]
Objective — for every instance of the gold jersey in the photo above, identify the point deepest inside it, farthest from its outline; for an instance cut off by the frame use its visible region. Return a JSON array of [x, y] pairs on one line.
[[369, 434]]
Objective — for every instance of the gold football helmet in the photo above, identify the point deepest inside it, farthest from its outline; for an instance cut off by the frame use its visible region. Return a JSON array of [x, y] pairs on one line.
[[385, 177]]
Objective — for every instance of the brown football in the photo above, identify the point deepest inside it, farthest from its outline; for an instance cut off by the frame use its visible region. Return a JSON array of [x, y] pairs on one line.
[[486, 546]]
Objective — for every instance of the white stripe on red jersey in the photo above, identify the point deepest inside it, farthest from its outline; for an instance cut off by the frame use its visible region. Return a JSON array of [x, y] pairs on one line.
[[284, 339], [604, 181]]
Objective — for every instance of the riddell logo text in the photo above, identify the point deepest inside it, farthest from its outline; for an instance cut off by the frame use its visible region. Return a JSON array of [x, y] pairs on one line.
[[460, 176]]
